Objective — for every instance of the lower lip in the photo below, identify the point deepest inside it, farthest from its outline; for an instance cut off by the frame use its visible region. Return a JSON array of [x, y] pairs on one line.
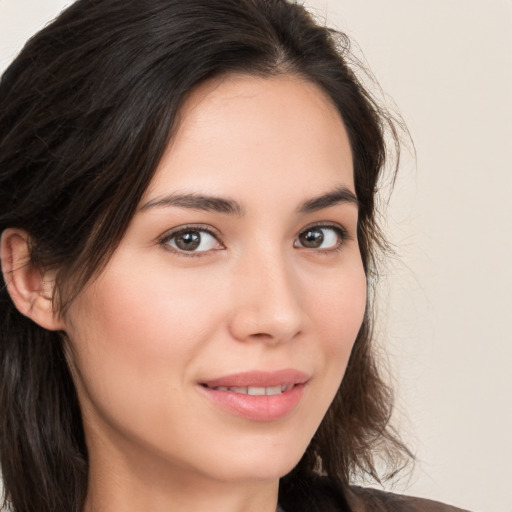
[[257, 407]]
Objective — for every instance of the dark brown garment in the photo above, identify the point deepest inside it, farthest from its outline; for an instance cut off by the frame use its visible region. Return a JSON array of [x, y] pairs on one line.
[[321, 494], [371, 500]]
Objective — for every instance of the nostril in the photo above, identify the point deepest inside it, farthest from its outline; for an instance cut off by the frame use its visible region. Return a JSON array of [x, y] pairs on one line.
[[267, 321]]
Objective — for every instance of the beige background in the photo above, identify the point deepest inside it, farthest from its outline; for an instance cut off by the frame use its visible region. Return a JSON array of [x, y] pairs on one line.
[[447, 306]]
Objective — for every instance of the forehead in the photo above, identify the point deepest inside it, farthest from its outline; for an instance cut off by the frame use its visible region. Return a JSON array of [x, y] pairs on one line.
[[253, 133]]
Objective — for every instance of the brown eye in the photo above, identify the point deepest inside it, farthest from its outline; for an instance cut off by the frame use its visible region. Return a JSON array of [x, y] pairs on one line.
[[312, 238], [192, 240], [319, 238]]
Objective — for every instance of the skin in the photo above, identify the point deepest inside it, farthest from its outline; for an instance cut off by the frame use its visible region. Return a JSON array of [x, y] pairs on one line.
[[158, 320]]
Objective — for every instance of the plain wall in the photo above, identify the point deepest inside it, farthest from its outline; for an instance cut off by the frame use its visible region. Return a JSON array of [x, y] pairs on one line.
[[446, 300]]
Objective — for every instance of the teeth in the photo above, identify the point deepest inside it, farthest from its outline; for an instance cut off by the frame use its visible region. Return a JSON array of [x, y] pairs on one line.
[[242, 391], [257, 391], [276, 390]]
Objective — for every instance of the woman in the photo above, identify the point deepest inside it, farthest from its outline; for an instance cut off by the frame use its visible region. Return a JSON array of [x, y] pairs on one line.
[[187, 196]]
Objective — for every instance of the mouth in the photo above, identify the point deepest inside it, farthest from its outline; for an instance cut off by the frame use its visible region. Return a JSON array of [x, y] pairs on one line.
[[257, 395], [253, 390], [275, 382]]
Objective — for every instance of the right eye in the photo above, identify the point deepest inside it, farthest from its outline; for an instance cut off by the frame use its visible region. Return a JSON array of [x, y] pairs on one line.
[[192, 240]]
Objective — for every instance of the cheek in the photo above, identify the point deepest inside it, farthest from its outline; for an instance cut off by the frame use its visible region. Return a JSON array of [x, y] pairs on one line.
[[341, 313], [135, 337], [338, 308], [143, 314]]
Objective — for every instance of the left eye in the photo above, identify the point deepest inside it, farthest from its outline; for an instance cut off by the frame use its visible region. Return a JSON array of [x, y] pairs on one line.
[[192, 240], [319, 238]]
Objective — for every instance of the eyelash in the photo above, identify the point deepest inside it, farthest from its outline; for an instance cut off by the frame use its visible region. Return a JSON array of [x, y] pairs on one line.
[[340, 231], [166, 238]]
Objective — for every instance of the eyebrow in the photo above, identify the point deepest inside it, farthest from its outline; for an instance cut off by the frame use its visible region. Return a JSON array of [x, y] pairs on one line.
[[339, 195], [207, 203], [197, 202]]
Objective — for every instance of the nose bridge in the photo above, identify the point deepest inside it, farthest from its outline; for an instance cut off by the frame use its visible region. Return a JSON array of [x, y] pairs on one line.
[[267, 302]]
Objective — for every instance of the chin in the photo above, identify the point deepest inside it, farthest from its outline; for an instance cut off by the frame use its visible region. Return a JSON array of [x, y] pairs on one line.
[[262, 461]]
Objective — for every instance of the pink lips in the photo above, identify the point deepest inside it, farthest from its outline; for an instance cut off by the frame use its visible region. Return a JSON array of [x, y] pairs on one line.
[[259, 395]]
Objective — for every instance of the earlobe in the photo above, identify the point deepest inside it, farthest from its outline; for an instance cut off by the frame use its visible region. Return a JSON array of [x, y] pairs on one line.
[[30, 289]]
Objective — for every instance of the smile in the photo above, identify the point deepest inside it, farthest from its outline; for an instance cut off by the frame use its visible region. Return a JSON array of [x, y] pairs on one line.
[[257, 395], [255, 391]]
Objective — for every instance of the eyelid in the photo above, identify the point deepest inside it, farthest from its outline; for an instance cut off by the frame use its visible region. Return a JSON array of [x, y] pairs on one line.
[[340, 230], [328, 225], [164, 238]]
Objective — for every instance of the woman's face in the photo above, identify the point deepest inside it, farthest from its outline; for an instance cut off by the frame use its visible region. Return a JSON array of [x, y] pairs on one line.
[[241, 269]]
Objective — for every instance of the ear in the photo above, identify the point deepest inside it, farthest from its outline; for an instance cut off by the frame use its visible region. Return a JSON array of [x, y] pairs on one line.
[[30, 289]]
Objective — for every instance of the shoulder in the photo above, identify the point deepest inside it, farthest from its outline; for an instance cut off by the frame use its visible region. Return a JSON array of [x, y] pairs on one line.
[[363, 499], [322, 494]]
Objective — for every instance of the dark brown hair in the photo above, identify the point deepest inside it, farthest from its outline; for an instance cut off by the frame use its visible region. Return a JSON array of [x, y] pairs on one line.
[[86, 111]]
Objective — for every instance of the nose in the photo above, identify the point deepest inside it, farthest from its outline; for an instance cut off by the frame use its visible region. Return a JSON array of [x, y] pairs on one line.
[[266, 302]]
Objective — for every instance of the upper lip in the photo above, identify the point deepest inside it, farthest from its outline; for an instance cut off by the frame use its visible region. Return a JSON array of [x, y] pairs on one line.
[[258, 378]]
